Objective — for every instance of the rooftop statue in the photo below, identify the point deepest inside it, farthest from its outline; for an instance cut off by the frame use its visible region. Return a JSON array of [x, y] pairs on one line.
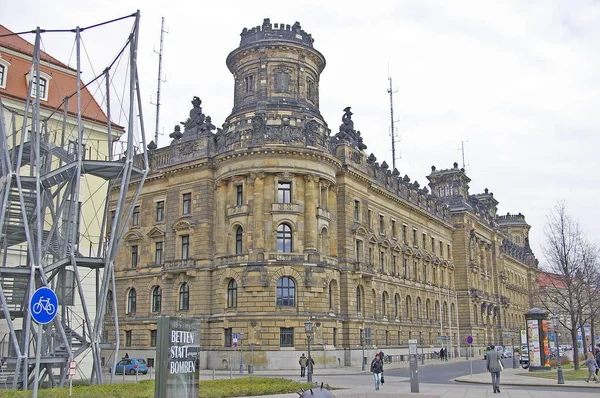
[[196, 118], [347, 123]]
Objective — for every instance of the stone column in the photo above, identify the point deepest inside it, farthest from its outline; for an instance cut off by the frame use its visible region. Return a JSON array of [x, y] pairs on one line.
[[310, 213], [259, 214]]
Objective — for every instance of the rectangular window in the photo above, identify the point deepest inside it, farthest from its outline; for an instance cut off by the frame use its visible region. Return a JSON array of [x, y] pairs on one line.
[[185, 247], [406, 270], [310, 88], [369, 218], [153, 338], [282, 82], [387, 339], [158, 253], [135, 219], [433, 245], [394, 265], [134, 256], [334, 337], [371, 255], [249, 84], [381, 225], [382, 261], [415, 243], [113, 214], [424, 273], [2, 74], [424, 236], [286, 337], [160, 211], [415, 270], [187, 203], [228, 337], [405, 234], [359, 250], [43, 85], [239, 195], [441, 249], [357, 210], [393, 228], [284, 192], [128, 338], [448, 251]]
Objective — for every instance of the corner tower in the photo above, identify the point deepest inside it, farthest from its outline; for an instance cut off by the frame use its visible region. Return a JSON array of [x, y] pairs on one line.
[[277, 73]]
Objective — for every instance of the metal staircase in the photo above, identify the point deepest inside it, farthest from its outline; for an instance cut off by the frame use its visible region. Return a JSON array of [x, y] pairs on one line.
[[41, 237]]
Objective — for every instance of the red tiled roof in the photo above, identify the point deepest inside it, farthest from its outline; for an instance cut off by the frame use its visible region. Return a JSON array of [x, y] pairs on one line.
[[62, 84], [551, 280]]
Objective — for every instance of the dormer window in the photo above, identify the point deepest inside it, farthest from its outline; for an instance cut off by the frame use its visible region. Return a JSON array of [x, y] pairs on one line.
[[43, 85], [3, 72]]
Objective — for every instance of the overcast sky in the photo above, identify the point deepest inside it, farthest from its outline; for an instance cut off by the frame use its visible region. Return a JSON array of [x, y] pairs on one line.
[[519, 81]]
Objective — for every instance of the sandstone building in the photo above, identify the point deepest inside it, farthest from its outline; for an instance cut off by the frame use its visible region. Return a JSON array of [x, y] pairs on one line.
[[254, 227]]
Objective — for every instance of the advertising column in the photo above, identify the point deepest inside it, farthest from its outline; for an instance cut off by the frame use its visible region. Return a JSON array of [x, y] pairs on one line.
[[537, 340]]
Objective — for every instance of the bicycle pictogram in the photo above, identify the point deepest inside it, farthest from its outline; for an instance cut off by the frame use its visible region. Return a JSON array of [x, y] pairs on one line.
[[45, 305]]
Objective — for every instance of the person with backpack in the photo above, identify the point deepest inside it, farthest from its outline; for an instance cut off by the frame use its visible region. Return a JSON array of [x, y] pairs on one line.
[[377, 369]]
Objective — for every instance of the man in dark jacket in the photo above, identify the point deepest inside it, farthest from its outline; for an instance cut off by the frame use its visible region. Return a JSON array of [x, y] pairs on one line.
[[303, 362], [494, 366], [377, 369]]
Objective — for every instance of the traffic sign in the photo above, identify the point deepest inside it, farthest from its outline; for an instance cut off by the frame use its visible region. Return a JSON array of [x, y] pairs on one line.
[[469, 340], [506, 335], [72, 368], [235, 336], [43, 305]]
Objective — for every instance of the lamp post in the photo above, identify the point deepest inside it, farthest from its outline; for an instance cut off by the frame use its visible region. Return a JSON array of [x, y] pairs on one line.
[[422, 354], [308, 330], [362, 340], [559, 372], [514, 357]]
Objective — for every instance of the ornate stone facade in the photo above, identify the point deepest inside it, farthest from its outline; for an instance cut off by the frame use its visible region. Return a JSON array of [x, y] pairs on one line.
[[271, 220]]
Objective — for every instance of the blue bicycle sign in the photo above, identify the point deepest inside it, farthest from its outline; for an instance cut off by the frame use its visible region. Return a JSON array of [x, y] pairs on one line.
[[43, 305]]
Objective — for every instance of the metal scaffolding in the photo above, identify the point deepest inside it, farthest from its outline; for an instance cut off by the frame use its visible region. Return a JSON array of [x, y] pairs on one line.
[[42, 239]]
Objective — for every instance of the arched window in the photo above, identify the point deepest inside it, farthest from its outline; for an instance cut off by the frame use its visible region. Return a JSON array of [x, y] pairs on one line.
[[396, 305], [358, 300], [232, 294], [428, 309], [452, 312], [156, 298], [475, 314], [436, 313], [284, 238], [418, 307], [239, 233], [131, 301], [109, 302], [407, 310], [383, 306], [286, 292], [445, 313], [330, 297], [324, 242], [184, 297]]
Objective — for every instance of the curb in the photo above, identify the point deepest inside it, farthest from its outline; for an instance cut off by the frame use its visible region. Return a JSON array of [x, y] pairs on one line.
[[525, 384]]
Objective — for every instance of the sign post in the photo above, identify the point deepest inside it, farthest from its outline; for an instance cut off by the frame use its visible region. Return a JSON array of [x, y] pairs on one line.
[[234, 342], [414, 366], [469, 342], [43, 308]]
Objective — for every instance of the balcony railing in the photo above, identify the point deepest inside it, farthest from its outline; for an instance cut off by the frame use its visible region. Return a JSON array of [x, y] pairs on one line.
[[180, 264], [285, 207], [237, 210]]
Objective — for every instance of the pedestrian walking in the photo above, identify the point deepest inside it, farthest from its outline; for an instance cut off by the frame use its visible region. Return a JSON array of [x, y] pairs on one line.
[[494, 366], [442, 351], [597, 359], [381, 356], [311, 365], [592, 367], [303, 362], [377, 369]]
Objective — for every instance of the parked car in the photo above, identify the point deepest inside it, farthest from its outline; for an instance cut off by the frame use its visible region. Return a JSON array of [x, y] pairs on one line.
[[524, 355], [507, 353], [499, 349], [131, 366]]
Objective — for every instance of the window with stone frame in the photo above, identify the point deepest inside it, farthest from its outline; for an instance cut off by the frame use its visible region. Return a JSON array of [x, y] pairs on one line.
[[131, 301], [359, 250], [158, 253], [128, 338], [282, 81], [232, 294], [109, 302], [153, 335], [135, 218], [286, 337], [134, 256], [228, 337], [357, 210], [249, 84], [156, 299], [185, 247], [284, 192], [358, 300], [286, 292], [284, 238], [187, 203], [160, 211], [43, 85], [311, 92], [3, 70], [239, 195], [239, 236], [184, 297]]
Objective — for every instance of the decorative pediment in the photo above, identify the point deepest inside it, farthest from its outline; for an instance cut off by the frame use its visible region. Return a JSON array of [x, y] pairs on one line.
[[427, 257], [407, 250], [359, 229], [418, 254], [133, 236], [156, 233], [373, 240], [183, 225], [436, 260]]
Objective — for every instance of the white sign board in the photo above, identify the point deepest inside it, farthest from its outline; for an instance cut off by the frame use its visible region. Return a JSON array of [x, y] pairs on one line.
[[412, 347]]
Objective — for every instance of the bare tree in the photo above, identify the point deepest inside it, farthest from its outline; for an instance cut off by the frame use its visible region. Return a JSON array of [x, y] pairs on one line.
[[564, 250], [590, 296]]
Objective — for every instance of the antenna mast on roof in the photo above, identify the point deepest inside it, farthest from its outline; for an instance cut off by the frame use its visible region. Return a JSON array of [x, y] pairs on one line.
[[462, 148], [160, 53], [392, 131]]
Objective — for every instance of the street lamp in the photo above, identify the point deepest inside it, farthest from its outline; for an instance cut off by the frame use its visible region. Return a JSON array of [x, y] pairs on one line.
[[559, 372], [308, 330], [422, 355]]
